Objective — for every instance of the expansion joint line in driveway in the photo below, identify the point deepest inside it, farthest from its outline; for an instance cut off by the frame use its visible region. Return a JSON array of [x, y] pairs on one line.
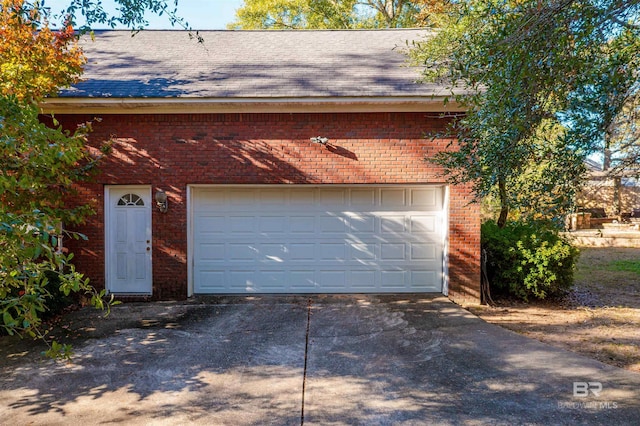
[[306, 357]]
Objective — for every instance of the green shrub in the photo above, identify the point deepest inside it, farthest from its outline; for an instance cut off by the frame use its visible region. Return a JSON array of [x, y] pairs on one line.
[[528, 259], [57, 301], [54, 299]]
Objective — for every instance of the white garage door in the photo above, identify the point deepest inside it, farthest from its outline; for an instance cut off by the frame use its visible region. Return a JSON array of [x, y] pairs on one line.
[[299, 239]]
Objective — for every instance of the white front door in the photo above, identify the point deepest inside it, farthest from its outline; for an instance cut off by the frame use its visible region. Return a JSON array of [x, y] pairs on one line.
[[128, 239]]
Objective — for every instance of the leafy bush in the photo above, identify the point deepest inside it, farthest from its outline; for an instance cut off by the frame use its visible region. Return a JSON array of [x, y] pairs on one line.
[[528, 259], [53, 298], [57, 300]]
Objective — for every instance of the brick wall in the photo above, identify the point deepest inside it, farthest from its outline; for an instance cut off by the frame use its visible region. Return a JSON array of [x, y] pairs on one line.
[[172, 151]]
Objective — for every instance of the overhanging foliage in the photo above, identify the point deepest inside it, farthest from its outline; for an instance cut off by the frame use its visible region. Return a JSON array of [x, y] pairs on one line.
[[546, 80]]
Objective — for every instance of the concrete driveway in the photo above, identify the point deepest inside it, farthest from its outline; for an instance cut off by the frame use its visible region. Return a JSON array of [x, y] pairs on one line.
[[314, 360]]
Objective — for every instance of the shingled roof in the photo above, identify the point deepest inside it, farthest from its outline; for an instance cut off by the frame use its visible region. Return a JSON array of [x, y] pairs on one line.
[[262, 66]]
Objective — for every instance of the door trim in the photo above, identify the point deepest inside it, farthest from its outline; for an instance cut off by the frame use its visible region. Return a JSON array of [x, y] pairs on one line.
[[190, 259], [107, 217]]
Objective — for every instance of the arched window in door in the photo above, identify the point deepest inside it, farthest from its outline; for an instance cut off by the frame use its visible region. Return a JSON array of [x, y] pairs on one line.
[[130, 200]]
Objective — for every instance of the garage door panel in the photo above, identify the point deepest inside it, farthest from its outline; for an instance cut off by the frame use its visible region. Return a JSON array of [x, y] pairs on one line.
[[273, 224], [393, 279], [332, 280], [423, 224], [427, 280], [363, 251], [273, 280], [242, 198], [210, 251], [393, 224], [242, 224], [210, 197], [335, 197], [302, 252], [241, 280], [333, 251], [212, 280], [302, 224], [273, 253], [310, 252], [362, 224], [240, 252], [315, 240], [272, 198], [210, 225], [426, 198], [331, 224], [302, 280], [424, 251], [302, 197], [393, 197], [363, 198], [393, 251]]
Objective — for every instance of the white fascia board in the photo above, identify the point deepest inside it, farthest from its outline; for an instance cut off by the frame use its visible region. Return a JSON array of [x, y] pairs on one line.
[[246, 105]]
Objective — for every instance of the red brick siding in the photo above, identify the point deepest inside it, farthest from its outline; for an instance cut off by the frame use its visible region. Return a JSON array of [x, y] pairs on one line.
[[172, 151]]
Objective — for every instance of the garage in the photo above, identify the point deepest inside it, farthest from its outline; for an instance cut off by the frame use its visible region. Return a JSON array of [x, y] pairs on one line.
[[317, 239]]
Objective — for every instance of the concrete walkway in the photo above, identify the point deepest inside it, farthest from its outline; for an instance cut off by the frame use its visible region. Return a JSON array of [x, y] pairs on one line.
[[314, 360]]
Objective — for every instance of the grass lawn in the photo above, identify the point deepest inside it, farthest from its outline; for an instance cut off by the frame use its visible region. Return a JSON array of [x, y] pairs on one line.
[[600, 318]]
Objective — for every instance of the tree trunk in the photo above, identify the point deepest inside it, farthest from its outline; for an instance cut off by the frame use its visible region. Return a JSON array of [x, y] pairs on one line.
[[606, 164], [617, 196], [504, 205]]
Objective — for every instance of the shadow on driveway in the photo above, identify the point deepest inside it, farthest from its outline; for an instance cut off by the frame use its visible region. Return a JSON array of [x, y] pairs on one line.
[[408, 359]]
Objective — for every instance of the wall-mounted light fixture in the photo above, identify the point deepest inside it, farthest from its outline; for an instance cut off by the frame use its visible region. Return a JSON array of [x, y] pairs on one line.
[[321, 140], [161, 201]]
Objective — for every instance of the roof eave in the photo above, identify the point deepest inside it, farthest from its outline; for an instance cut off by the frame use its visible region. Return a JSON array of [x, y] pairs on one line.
[[78, 105]]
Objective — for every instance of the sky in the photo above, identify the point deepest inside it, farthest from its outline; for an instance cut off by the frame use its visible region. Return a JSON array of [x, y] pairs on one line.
[[200, 14]]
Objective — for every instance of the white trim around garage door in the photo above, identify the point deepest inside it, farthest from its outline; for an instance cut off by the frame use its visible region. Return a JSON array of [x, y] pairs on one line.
[[394, 235]]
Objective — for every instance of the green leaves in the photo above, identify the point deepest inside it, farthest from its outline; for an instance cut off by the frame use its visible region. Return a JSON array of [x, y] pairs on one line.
[[546, 81], [328, 14], [59, 351], [9, 322], [528, 259], [39, 163], [131, 14], [36, 61], [38, 167], [30, 264]]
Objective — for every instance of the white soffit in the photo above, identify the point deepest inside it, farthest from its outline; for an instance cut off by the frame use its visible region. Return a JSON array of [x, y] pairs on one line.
[[246, 105]]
